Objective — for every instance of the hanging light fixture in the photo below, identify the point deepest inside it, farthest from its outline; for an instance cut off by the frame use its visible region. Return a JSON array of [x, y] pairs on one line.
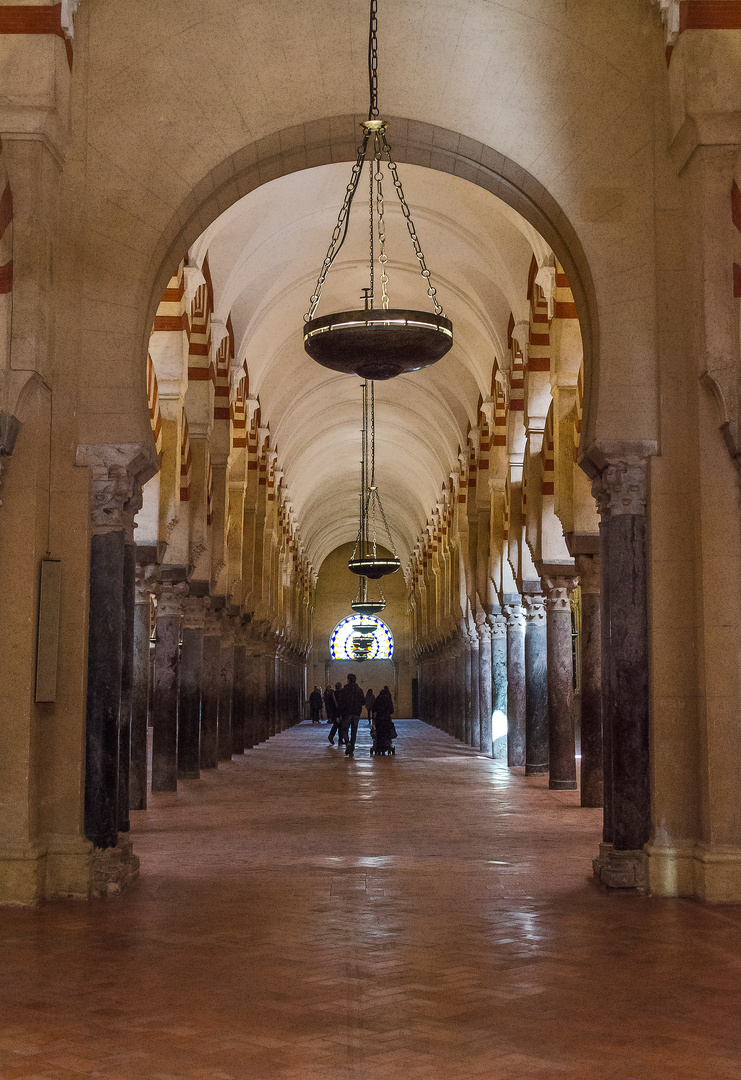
[[375, 343], [365, 605], [365, 559]]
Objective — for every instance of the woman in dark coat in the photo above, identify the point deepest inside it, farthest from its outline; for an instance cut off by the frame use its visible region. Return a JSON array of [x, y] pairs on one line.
[[369, 700], [383, 711]]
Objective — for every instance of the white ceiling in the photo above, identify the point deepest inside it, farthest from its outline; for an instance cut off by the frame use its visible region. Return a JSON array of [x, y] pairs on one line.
[[264, 254]]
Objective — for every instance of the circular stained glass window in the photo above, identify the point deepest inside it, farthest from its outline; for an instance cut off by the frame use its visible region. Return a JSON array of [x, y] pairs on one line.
[[361, 637]]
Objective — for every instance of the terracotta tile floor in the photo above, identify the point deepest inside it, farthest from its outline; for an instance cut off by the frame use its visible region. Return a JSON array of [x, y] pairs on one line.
[[302, 915]]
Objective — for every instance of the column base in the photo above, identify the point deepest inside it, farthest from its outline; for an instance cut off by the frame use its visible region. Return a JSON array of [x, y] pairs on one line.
[[621, 869], [710, 875], [562, 785], [56, 867], [536, 770], [113, 869]]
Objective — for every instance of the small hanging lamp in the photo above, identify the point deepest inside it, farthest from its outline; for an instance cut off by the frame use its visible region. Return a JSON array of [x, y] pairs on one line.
[[365, 605], [365, 559], [375, 343]]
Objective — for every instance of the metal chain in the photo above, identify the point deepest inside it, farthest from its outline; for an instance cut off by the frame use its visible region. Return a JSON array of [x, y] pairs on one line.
[[382, 257], [373, 61], [340, 230], [370, 208], [431, 291]]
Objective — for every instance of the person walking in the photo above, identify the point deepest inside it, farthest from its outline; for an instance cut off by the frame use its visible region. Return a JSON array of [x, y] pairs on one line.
[[351, 701], [384, 710], [315, 705], [370, 697], [336, 716]]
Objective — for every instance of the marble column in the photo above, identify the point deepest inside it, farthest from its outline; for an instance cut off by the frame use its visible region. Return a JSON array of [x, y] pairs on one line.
[[474, 732], [226, 688], [467, 662], [165, 697], [239, 698], [560, 677], [485, 685], [462, 691], [209, 757], [536, 685], [127, 678], [140, 699], [588, 567], [251, 714], [620, 491], [499, 684], [516, 696], [191, 688], [111, 489]]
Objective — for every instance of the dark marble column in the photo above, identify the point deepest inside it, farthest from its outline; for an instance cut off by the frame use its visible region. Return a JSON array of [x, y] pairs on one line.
[[165, 698], [191, 688], [536, 686], [588, 567], [462, 680], [140, 697], [127, 682], [210, 691], [270, 694], [485, 686], [239, 698], [226, 687], [561, 742], [467, 661], [115, 498], [516, 696], [104, 687], [474, 733], [498, 624], [620, 491], [251, 684]]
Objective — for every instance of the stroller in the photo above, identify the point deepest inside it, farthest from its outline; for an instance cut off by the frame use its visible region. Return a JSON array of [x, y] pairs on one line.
[[383, 733]]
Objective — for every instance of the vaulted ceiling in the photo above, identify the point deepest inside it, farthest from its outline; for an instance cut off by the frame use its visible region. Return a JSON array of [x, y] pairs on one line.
[[264, 253]]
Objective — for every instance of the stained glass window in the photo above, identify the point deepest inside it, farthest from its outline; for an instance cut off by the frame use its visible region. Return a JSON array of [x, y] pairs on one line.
[[361, 637]]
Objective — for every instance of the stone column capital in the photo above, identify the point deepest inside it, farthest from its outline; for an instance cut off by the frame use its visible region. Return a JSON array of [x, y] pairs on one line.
[[590, 576], [558, 589], [619, 479], [534, 608], [514, 615], [170, 597], [118, 472], [146, 583], [195, 609], [498, 624], [483, 630]]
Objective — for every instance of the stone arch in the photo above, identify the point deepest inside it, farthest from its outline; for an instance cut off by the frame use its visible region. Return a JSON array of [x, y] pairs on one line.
[[334, 139]]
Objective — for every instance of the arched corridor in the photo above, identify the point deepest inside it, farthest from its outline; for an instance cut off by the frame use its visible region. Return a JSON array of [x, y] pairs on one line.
[[301, 915]]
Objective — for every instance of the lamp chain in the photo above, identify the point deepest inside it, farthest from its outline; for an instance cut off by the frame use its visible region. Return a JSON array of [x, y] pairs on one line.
[[373, 61]]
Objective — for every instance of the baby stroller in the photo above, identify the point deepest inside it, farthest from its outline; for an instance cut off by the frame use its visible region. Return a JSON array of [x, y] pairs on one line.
[[383, 733]]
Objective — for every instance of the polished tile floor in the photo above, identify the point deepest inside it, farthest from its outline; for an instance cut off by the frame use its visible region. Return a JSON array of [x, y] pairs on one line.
[[425, 917]]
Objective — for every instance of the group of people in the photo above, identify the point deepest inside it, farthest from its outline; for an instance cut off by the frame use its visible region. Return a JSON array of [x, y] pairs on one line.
[[344, 705]]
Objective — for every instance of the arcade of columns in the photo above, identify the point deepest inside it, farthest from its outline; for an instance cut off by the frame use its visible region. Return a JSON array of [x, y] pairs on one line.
[[507, 572], [214, 577]]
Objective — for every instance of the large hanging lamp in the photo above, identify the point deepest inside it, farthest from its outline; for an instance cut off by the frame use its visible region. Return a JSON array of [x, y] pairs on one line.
[[375, 342], [365, 559], [366, 605]]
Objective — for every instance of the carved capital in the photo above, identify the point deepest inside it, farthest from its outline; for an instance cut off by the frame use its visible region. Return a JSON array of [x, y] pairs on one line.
[[484, 632], [146, 584], [112, 492], [514, 616], [621, 488], [558, 590], [170, 599], [194, 612], [590, 576], [534, 605], [498, 624]]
